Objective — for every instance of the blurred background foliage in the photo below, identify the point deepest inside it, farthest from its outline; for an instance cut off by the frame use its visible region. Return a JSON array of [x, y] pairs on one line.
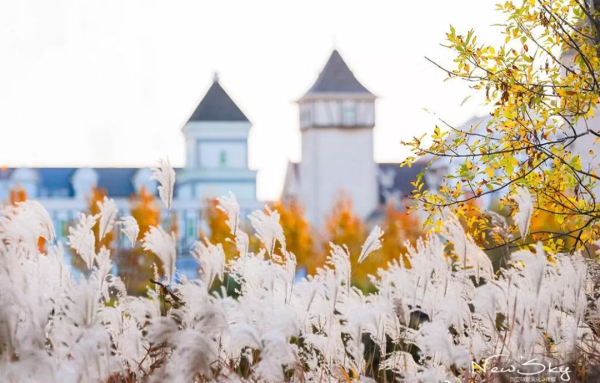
[[310, 245]]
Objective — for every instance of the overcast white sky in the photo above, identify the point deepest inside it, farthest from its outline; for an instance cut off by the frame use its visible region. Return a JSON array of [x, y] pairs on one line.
[[111, 83]]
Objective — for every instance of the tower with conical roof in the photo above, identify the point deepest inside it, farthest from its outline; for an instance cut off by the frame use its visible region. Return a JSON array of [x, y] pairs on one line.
[[337, 117], [216, 137]]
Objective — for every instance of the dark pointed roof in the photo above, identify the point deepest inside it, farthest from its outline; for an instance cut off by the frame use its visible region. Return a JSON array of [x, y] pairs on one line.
[[336, 77], [217, 106]]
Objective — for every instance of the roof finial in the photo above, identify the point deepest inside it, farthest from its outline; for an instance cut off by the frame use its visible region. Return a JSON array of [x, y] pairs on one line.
[[216, 77], [334, 42]]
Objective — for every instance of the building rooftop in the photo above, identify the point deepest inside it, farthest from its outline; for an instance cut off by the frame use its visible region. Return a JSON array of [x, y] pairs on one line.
[[217, 106], [57, 182], [336, 77], [395, 181]]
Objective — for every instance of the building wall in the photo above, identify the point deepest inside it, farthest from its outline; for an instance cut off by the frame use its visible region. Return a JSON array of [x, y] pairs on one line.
[[588, 147], [242, 190], [222, 154], [216, 165], [205, 140], [337, 161]]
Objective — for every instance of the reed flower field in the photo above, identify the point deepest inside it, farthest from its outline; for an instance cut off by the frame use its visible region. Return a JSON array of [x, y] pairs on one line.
[[438, 320]]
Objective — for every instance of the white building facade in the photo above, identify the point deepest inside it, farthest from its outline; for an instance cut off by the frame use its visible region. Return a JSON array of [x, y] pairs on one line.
[[337, 119], [216, 137], [337, 116]]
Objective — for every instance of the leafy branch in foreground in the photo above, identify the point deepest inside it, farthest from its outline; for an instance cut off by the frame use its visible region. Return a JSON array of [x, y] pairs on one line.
[[542, 87]]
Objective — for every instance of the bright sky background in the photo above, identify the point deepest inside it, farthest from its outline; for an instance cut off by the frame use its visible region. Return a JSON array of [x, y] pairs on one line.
[[111, 83]]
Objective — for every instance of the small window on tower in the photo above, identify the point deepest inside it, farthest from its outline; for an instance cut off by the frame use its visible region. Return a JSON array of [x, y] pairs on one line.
[[305, 116], [223, 158], [348, 114]]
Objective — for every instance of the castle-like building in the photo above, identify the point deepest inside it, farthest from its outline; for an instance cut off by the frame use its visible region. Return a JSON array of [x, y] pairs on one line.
[[216, 137], [337, 118]]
